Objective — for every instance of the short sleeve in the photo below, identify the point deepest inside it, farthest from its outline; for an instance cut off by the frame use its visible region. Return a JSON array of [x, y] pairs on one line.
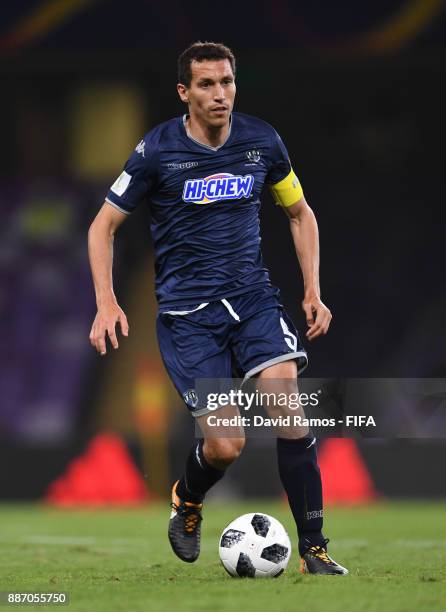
[[279, 159], [136, 181], [284, 185]]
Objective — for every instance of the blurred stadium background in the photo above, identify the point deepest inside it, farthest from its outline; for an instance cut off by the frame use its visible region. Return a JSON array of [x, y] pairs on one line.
[[357, 92]]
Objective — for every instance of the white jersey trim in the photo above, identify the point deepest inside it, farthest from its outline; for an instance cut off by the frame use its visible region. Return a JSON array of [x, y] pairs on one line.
[[126, 212], [202, 144], [230, 309], [181, 313]]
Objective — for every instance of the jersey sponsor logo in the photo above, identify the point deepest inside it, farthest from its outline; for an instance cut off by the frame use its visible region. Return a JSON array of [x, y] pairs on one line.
[[182, 166], [222, 186], [140, 148], [121, 183]]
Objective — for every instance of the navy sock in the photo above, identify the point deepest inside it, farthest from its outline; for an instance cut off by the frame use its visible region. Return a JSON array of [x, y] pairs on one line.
[[301, 478], [198, 477]]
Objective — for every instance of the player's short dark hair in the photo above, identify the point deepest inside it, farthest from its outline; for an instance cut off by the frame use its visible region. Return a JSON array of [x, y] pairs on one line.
[[201, 51]]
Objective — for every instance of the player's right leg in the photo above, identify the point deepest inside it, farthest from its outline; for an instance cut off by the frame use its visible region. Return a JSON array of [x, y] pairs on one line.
[[193, 346], [205, 466]]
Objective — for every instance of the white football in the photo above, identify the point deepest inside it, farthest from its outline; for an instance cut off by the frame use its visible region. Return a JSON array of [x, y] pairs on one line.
[[255, 545]]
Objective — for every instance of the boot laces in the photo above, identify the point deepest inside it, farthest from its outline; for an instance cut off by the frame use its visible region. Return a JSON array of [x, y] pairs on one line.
[[321, 553], [190, 513]]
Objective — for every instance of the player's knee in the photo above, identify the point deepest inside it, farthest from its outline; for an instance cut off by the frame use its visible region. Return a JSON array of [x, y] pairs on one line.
[[221, 452]]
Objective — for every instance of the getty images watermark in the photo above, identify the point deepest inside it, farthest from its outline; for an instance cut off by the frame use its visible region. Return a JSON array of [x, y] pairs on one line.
[[385, 408], [248, 400], [292, 401]]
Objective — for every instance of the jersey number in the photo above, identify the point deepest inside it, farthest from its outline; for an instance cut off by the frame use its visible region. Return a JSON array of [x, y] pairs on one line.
[[289, 337]]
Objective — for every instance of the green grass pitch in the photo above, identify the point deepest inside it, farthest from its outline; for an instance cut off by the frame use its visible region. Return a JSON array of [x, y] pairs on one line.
[[121, 560]]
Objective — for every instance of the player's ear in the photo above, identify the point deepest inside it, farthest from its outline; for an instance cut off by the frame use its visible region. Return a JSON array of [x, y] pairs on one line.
[[182, 92]]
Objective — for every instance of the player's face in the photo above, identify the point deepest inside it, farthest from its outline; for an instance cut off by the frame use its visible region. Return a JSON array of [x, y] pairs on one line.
[[211, 93]]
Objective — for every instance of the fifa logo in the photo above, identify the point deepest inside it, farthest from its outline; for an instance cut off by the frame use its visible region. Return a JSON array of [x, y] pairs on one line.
[[253, 156]]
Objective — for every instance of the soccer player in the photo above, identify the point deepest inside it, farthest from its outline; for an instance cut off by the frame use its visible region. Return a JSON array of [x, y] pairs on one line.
[[203, 175]]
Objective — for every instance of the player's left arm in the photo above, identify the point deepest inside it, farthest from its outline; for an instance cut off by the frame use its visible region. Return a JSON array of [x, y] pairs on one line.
[[305, 235], [287, 193], [303, 225]]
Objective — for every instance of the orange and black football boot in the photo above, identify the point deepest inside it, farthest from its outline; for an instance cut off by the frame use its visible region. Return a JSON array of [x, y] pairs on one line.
[[315, 560], [185, 528]]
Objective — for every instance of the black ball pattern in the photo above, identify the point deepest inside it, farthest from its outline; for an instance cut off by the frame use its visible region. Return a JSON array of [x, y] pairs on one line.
[[245, 568], [231, 538], [261, 524], [276, 553]]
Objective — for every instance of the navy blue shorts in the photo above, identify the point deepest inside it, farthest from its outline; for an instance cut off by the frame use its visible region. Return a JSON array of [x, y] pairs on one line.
[[235, 337]]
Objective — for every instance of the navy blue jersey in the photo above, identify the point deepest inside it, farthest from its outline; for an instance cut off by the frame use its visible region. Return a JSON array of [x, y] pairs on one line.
[[204, 204]]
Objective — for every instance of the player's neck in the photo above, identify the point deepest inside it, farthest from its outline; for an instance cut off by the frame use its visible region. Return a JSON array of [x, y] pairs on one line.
[[205, 134]]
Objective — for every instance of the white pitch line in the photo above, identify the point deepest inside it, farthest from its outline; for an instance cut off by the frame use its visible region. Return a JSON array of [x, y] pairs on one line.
[[132, 543], [340, 543], [420, 543], [58, 540]]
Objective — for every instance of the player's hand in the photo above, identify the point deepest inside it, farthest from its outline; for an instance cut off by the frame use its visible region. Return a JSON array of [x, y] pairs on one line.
[[104, 325], [318, 316]]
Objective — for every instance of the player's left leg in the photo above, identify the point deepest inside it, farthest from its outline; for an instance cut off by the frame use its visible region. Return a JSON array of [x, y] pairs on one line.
[[266, 344], [301, 479]]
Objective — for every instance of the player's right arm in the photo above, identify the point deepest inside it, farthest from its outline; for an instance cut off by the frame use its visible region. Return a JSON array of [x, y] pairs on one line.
[[133, 184], [100, 251]]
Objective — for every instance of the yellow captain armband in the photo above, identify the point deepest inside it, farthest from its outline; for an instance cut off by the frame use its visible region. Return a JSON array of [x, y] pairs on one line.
[[288, 191]]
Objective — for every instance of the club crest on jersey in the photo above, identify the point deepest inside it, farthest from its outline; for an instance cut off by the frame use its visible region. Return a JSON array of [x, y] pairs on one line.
[[221, 186], [191, 398], [253, 156]]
